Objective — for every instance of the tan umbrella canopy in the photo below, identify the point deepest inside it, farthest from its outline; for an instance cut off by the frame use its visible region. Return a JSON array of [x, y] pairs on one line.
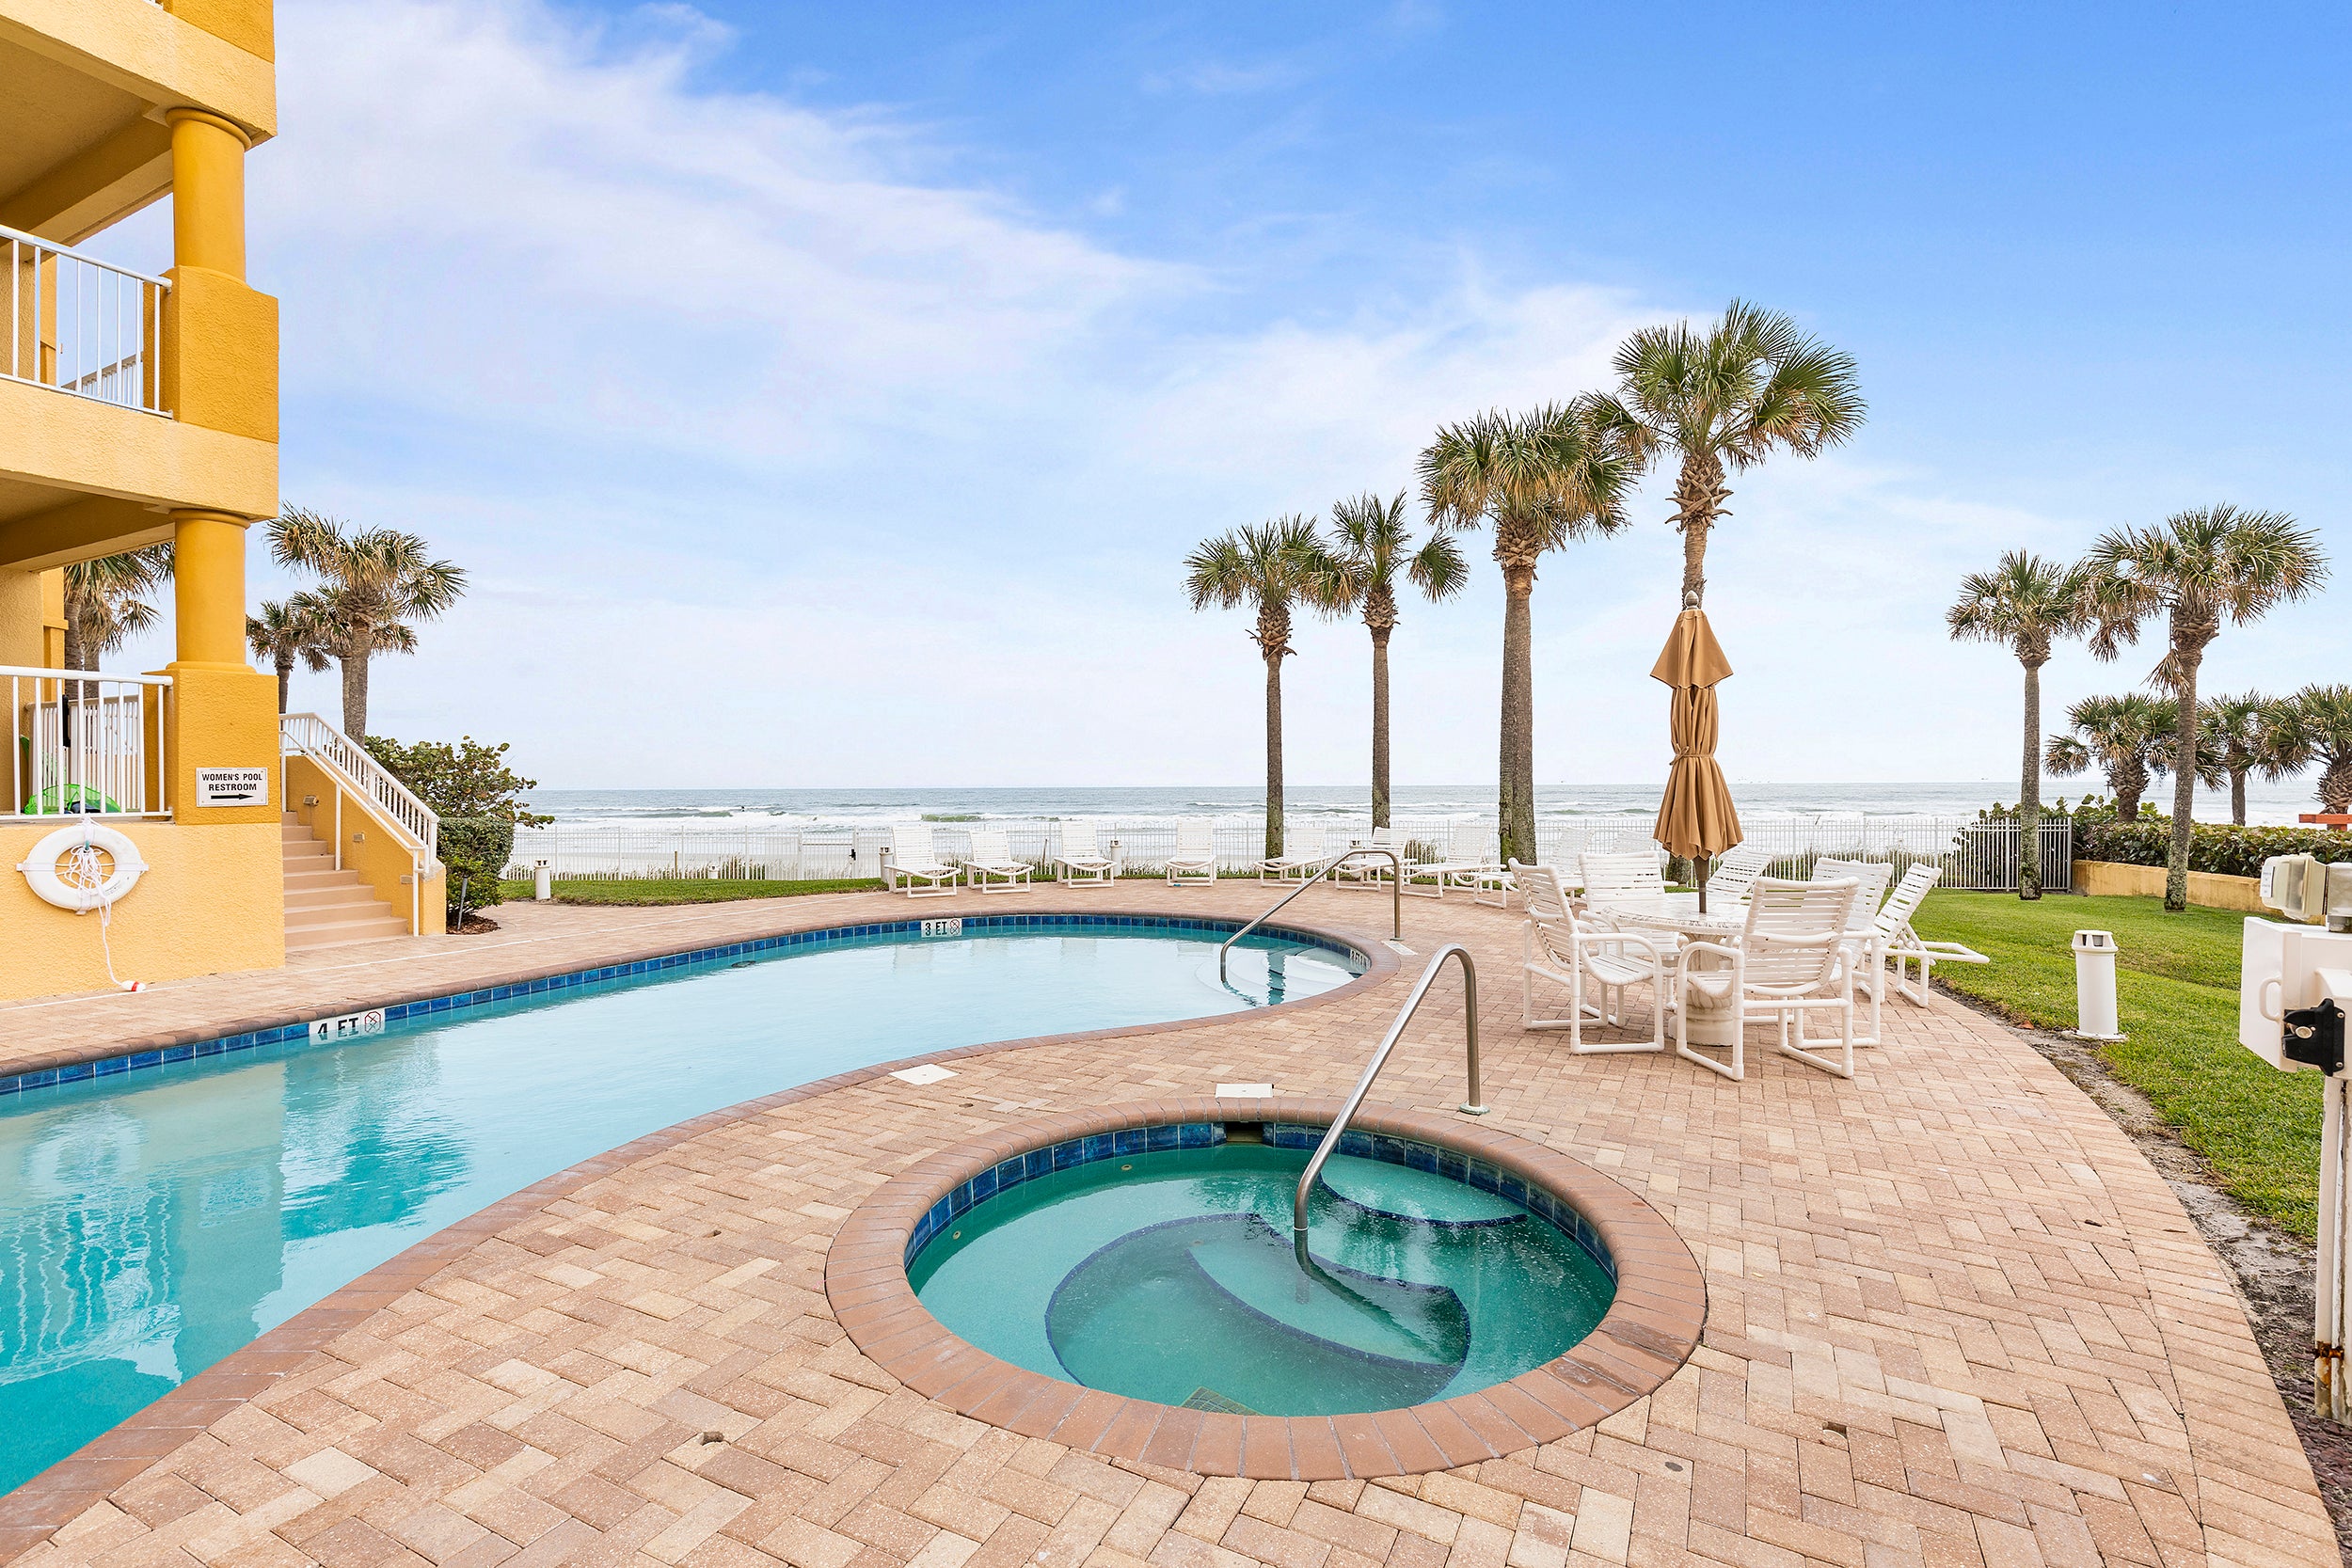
[[1696, 820]]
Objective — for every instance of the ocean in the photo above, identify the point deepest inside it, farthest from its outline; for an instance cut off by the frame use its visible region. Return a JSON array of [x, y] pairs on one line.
[[735, 809]]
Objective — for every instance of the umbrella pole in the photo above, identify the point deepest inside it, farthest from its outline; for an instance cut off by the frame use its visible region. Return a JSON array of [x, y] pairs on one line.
[[1704, 862]]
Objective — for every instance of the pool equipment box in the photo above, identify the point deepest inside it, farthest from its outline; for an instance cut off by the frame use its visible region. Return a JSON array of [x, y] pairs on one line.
[[2295, 983], [347, 1026], [232, 786]]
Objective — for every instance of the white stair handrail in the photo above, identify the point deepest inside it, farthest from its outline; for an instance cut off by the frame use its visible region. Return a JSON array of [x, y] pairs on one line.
[[309, 735]]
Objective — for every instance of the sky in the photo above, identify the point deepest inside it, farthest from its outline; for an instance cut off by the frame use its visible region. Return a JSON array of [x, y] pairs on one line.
[[824, 395]]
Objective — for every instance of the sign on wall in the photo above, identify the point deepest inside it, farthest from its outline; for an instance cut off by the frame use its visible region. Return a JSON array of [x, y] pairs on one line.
[[232, 786]]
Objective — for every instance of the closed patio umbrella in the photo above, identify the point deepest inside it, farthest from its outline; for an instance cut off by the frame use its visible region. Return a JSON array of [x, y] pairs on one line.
[[1696, 820]]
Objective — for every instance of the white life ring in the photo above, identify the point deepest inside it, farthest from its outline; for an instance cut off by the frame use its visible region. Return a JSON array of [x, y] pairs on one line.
[[84, 867]]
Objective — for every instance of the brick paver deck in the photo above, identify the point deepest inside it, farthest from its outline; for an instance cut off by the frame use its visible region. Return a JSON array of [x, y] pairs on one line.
[[1953, 1317]]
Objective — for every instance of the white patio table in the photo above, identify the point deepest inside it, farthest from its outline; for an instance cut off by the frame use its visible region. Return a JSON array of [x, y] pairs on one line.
[[1713, 1021]]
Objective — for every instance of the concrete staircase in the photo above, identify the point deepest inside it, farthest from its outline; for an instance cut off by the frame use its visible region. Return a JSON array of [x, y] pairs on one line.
[[326, 908]]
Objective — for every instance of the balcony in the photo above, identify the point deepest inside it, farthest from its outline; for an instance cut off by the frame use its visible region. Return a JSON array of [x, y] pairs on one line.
[[83, 744], [81, 326]]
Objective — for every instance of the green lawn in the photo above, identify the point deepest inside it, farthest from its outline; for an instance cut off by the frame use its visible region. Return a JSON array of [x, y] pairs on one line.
[[2176, 985], [684, 890]]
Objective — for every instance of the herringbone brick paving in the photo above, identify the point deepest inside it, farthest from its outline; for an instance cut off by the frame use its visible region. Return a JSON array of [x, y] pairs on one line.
[[1954, 1318]]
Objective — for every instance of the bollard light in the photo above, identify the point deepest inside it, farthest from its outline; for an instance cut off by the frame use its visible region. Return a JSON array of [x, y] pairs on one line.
[[2094, 986]]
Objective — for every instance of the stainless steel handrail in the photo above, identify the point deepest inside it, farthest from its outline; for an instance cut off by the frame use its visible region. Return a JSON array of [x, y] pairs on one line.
[[1472, 1106], [1396, 898]]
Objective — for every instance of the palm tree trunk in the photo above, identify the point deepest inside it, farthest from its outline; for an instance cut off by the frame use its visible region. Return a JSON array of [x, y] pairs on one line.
[[2029, 794], [1380, 726], [2184, 789], [285, 680], [2128, 779], [1699, 497], [1516, 814], [2237, 797], [1273, 755], [355, 694]]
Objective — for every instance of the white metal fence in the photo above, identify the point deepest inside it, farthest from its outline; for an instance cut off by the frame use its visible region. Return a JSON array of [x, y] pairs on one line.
[[1972, 854], [81, 743], [82, 326]]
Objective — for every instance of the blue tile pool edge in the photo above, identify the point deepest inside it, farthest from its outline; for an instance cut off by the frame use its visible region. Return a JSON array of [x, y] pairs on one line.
[[1412, 1153], [108, 1067]]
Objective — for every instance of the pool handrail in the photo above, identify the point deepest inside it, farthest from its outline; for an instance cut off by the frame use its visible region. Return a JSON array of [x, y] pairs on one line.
[[1396, 896], [1472, 1106]]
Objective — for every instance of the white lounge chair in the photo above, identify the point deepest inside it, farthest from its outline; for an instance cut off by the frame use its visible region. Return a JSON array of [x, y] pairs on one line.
[[988, 864], [1864, 944], [1563, 950], [1368, 870], [914, 860], [1613, 878], [1301, 858], [1193, 862], [1790, 960], [1902, 946], [1468, 853], [1082, 861], [1734, 872]]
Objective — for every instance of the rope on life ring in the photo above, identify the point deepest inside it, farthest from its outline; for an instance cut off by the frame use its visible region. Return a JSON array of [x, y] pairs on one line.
[[84, 867]]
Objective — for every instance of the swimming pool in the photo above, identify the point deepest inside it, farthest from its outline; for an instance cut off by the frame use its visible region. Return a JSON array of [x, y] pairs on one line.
[[151, 1223]]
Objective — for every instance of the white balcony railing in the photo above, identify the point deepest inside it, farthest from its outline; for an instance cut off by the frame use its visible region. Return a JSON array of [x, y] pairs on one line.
[[82, 326], [83, 744]]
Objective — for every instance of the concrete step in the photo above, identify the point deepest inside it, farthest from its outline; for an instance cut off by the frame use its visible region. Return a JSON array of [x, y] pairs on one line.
[[353, 913], [323, 875], [310, 850], [304, 938], [329, 894]]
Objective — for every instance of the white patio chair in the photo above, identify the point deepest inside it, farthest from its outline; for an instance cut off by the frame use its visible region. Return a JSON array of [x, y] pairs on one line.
[[989, 866], [1610, 879], [913, 859], [1902, 946], [1469, 853], [1863, 943], [1301, 857], [1566, 951], [1193, 862], [1082, 861], [1790, 960], [1734, 872]]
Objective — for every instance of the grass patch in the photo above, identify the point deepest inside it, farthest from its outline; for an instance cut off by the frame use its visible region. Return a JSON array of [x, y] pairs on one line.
[[684, 890], [2176, 987]]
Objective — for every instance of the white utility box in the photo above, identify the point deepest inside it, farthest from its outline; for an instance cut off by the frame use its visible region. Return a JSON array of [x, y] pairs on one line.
[[2094, 987]]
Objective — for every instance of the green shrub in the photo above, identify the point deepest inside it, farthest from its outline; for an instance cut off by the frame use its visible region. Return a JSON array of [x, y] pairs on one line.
[[476, 850], [2221, 849]]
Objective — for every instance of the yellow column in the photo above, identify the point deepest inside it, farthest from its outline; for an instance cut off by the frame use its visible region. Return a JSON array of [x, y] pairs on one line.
[[207, 192], [208, 590], [220, 336]]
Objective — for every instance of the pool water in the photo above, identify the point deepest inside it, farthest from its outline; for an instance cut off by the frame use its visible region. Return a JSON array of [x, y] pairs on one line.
[[152, 1223], [1171, 1277]]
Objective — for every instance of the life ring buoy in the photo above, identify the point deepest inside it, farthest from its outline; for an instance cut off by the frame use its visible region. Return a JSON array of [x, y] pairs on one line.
[[84, 867]]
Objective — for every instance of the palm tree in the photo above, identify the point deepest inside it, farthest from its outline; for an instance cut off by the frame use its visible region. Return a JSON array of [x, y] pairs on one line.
[[1729, 395], [2199, 568], [105, 602], [1539, 480], [1269, 565], [2028, 603], [2231, 744], [374, 583], [2126, 738], [295, 628], [2314, 725], [1372, 552]]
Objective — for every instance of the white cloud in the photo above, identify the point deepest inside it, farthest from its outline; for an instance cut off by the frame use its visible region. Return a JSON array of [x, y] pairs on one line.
[[783, 454]]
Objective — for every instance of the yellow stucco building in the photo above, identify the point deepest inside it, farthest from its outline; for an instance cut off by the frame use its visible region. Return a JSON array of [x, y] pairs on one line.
[[137, 409]]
